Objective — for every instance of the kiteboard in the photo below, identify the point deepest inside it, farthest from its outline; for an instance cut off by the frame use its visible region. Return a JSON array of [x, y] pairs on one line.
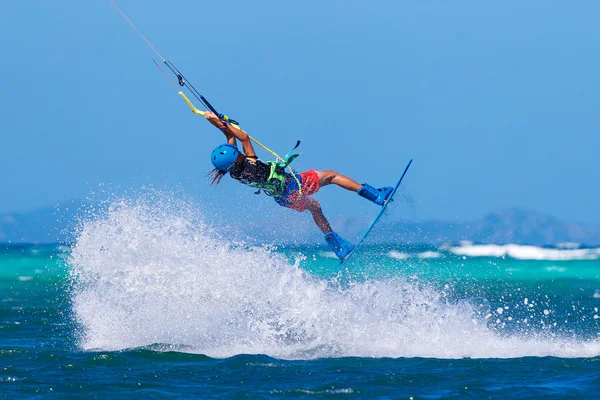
[[377, 217]]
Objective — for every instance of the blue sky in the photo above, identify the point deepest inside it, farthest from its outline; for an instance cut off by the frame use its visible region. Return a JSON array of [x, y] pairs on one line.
[[496, 102]]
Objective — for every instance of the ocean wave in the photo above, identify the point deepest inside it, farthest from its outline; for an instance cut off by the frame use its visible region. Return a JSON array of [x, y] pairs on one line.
[[524, 252], [429, 254], [405, 256], [397, 255], [328, 254], [143, 274]]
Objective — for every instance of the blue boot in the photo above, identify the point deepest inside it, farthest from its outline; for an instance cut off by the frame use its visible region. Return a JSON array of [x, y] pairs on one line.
[[340, 247], [377, 196]]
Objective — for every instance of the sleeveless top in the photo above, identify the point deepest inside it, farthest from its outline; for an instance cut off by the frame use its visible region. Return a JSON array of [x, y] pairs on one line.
[[268, 177]]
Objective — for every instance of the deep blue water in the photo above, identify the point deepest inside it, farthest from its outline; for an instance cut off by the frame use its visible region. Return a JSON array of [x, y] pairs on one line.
[[149, 306]]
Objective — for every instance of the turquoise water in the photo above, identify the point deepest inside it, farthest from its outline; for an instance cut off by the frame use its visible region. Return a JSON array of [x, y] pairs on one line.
[[151, 303]]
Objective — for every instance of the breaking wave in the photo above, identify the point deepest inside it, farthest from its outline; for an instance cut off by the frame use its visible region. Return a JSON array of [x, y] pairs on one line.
[[153, 274], [522, 252]]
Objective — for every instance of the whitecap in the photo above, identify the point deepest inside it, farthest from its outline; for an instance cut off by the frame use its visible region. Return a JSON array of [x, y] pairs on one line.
[[429, 254], [328, 254], [524, 252], [398, 255]]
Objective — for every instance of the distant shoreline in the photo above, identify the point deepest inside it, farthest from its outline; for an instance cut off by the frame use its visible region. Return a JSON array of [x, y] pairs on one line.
[[513, 226]]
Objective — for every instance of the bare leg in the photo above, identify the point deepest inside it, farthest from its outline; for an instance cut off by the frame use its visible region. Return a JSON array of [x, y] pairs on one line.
[[340, 247], [315, 209], [329, 177]]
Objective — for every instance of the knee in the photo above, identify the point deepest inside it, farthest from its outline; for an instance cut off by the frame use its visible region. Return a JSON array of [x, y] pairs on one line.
[[313, 206], [328, 176]]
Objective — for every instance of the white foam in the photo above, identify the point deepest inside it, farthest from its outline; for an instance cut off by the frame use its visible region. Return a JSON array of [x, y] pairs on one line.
[[405, 256], [429, 254], [144, 275], [523, 252], [328, 254], [398, 255]]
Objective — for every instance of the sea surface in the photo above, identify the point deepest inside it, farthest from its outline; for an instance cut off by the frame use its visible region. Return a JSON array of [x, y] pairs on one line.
[[153, 303]]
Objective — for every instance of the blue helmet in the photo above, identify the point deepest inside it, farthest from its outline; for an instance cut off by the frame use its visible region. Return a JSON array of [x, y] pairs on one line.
[[224, 156]]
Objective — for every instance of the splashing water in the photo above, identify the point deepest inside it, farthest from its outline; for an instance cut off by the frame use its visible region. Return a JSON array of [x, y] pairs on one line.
[[154, 274]]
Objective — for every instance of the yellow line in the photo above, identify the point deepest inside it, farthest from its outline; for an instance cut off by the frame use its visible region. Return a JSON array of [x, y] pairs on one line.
[[191, 105], [277, 156]]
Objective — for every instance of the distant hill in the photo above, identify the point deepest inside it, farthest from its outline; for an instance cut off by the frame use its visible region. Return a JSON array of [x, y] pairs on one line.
[[46, 225], [502, 227], [51, 225]]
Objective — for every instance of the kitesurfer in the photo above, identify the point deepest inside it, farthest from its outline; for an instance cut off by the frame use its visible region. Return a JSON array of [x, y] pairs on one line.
[[272, 179]]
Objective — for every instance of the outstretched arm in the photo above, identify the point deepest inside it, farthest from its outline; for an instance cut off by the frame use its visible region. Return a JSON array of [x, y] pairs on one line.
[[232, 134]]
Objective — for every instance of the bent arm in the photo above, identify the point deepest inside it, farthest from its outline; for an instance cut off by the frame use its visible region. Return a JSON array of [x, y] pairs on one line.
[[232, 133]]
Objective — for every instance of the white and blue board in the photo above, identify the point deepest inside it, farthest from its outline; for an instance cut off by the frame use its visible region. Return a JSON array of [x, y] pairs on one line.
[[389, 200]]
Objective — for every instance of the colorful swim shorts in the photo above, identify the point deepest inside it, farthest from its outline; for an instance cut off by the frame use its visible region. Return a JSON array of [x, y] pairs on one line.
[[292, 198]]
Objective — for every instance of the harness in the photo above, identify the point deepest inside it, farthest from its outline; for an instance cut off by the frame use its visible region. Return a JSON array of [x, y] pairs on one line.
[[274, 186], [276, 189]]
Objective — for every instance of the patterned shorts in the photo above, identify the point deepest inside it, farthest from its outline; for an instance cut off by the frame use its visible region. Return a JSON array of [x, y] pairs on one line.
[[292, 198]]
